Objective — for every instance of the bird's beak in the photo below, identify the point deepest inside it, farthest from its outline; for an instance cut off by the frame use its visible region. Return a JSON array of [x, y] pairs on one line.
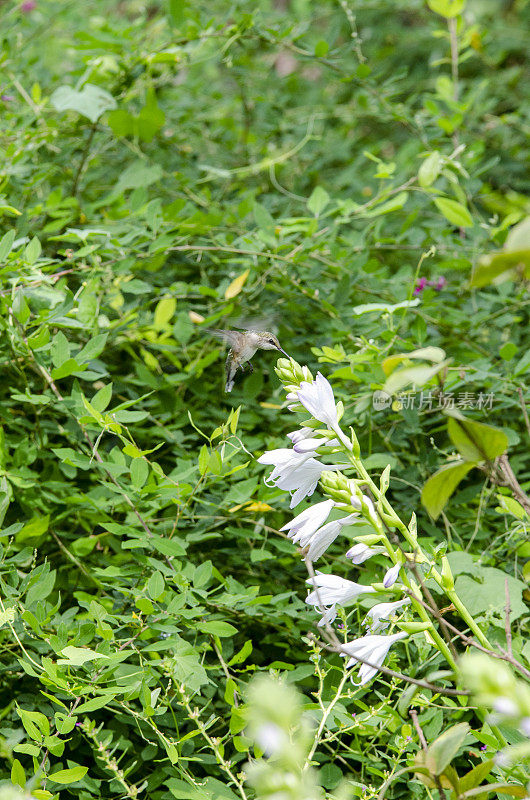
[[283, 351]]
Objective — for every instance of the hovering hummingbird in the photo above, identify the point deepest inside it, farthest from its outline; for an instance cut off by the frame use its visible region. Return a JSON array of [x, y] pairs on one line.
[[243, 345]]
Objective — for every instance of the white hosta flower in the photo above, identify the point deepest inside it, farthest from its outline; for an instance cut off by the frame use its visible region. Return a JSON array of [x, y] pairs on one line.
[[319, 541], [299, 435], [361, 552], [372, 648], [327, 617], [332, 589], [306, 445], [391, 576], [297, 473], [317, 397], [506, 707], [308, 521], [271, 739], [364, 503], [383, 611]]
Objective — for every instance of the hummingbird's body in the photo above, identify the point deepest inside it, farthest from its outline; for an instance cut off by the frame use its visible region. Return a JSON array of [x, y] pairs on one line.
[[243, 345]]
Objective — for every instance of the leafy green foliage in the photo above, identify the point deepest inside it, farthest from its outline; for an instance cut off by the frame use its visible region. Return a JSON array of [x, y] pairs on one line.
[[174, 167]]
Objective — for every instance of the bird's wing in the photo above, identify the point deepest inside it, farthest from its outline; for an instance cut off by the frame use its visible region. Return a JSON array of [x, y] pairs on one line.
[[231, 337]]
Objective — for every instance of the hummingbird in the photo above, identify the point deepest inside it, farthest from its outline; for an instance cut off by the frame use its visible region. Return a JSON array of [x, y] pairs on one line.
[[243, 345]]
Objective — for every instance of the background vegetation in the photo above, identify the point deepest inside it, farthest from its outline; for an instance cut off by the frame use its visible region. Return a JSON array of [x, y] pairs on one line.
[[349, 174]]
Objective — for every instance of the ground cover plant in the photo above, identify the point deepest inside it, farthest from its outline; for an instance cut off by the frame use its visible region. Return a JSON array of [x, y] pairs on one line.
[[315, 586]]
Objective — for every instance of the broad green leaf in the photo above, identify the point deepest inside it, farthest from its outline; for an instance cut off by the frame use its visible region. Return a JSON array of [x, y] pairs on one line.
[[6, 616], [394, 204], [412, 376], [447, 8], [139, 472], [434, 354], [476, 775], [453, 211], [6, 243], [66, 776], [156, 586], [41, 588], [439, 487], [236, 285], [92, 349], [60, 349], [32, 251], [512, 262], [164, 311], [35, 723], [77, 656], [385, 308], [217, 628], [442, 751], [430, 169], [476, 441], [318, 201], [91, 101], [263, 219], [18, 776]]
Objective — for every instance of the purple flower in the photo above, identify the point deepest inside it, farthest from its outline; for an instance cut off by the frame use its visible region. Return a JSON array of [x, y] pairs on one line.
[[391, 576], [6, 98], [27, 6], [440, 283], [420, 286]]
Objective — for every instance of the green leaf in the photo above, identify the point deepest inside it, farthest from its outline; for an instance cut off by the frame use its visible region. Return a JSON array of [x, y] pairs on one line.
[[164, 311], [91, 101], [77, 656], [415, 376], [455, 212], [430, 169], [476, 775], [318, 201], [41, 588], [92, 349], [442, 751], [475, 441], [18, 776], [513, 261], [440, 486], [321, 50], [60, 349], [6, 243], [447, 8], [156, 586], [394, 204], [32, 251], [66, 776], [263, 220], [139, 472], [217, 628]]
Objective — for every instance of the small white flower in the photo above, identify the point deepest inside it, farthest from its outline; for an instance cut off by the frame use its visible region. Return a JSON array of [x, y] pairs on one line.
[[302, 433], [308, 521], [372, 648], [506, 707], [317, 397], [383, 611], [333, 589], [329, 616], [319, 541], [313, 444], [270, 738], [364, 503], [297, 473], [361, 552], [391, 576]]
